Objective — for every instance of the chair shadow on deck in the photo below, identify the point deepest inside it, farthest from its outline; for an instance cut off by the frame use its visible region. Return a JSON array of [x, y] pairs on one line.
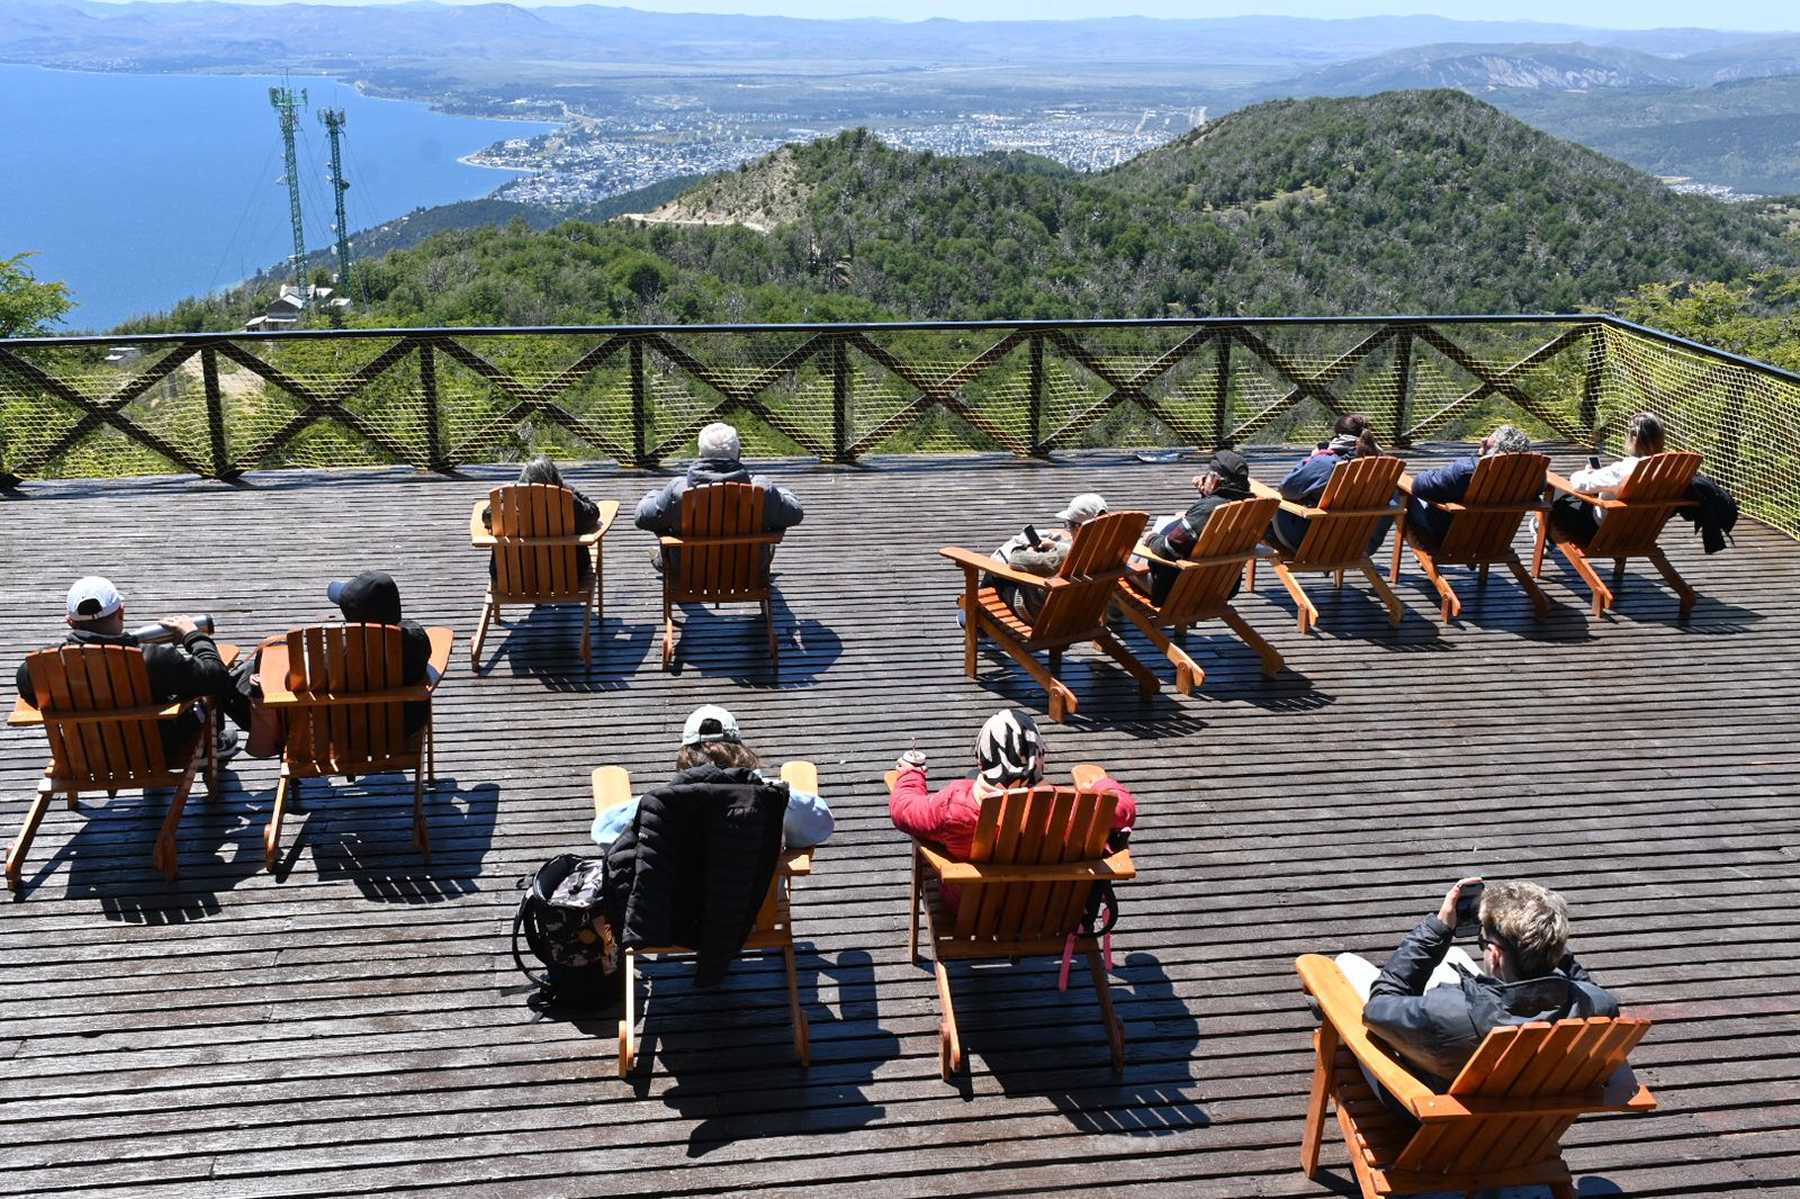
[[360, 832], [545, 645], [1649, 601], [1066, 1063], [728, 642], [1354, 614]]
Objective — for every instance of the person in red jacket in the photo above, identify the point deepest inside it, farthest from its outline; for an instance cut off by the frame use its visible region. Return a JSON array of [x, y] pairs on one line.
[[1009, 753]]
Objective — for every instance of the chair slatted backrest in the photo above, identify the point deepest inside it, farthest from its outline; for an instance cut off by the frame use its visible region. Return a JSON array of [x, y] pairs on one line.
[[1653, 490], [1096, 560], [1232, 531], [1564, 1064], [523, 570], [334, 664], [1359, 485], [80, 680], [1499, 492], [1041, 826], [728, 571]]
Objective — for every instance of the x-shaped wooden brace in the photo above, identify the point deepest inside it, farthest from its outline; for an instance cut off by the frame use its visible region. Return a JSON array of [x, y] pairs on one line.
[[940, 393], [1136, 388], [316, 407], [1315, 386], [100, 412], [741, 396], [539, 400], [1490, 382]]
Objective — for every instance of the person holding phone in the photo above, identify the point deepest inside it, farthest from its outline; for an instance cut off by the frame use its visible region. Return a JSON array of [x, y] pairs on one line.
[[1433, 1004], [1040, 553], [1581, 520]]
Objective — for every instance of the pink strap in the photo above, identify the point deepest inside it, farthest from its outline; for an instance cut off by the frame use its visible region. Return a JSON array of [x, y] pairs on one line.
[[1108, 941], [1062, 979]]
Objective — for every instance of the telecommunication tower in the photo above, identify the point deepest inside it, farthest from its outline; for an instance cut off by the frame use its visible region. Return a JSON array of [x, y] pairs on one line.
[[287, 104], [334, 128]]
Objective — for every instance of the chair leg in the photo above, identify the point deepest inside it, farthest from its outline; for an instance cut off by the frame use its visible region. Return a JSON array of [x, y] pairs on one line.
[[34, 816], [1115, 1030], [668, 632], [912, 911], [1537, 545], [802, 1035], [165, 857], [950, 1050], [1062, 700], [768, 610], [628, 1038], [1540, 602], [481, 629], [1451, 607], [1325, 1046], [272, 837], [1603, 596], [1148, 683], [421, 834], [1337, 581], [1689, 597], [430, 751], [1250, 574], [1394, 567], [587, 631], [1618, 579], [1188, 673], [599, 595], [1306, 616], [1271, 660], [1396, 610], [214, 728]]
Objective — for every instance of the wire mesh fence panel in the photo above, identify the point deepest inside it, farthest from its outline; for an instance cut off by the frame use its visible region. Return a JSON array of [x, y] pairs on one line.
[[218, 404]]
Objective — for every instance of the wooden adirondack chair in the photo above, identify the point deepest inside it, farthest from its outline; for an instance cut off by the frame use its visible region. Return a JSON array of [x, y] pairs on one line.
[[537, 554], [1501, 1122], [721, 557], [773, 930], [1074, 608], [1503, 489], [1656, 487], [340, 688], [1202, 590], [1357, 499], [1036, 858], [101, 719]]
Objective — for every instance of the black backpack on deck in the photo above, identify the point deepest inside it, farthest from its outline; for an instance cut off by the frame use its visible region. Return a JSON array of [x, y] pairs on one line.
[[567, 930]]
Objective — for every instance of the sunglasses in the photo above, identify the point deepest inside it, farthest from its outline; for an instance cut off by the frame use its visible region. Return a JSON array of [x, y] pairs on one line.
[[1485, 936]]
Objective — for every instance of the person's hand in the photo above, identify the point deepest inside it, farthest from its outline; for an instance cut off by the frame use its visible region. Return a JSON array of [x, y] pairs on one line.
[[181, 626], [1447, 913]]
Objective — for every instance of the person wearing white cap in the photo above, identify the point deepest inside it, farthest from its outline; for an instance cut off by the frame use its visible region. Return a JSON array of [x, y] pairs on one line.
[[720, 461], [1040, 552], [188, 668], [713, 750]]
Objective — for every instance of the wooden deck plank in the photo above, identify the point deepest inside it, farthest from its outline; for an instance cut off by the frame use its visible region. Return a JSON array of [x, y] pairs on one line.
[[358, 1026]]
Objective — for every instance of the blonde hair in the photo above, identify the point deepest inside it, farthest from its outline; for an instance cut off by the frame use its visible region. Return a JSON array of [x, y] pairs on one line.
[[1533, 921]]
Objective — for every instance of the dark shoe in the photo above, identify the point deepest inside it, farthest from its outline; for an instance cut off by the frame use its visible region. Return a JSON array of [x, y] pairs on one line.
[[228, 744]]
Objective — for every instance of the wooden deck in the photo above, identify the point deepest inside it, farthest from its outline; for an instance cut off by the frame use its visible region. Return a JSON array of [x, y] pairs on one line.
[[358, 1026]]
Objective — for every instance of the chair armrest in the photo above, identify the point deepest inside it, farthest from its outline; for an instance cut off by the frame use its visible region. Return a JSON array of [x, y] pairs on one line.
[[479, 533], [796, 863], [1404, 484], [1264, 491], [733, 539], [612, 787], [1115, 867], [442, 640], [969, 560], [801, 775], [1562, 484], [1143, 551], [1342, 1007], [609, 512], [1086, 775], [24, 714]]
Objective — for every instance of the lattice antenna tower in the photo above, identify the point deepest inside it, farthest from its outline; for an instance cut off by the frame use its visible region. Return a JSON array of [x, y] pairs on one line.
[[333, 119], [287, 104]]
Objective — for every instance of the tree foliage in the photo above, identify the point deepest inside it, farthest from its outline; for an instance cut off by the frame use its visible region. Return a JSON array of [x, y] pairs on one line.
[[29, 306]]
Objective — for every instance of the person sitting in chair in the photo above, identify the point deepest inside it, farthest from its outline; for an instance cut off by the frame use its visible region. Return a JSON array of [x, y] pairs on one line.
[[1009, 754], [1580, 519], [1039, 552], [712, 751], [189, 667], [1448, 484], [1433, 1005], [542, 469], [720, 461], [1352, 437], [1225, 480]]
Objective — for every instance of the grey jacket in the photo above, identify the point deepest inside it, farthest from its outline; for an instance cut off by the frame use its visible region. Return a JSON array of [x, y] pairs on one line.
[[660, 511], [1437, 1031]]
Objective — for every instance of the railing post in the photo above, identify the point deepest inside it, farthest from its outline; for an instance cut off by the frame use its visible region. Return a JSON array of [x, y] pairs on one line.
[[1403, 350], [640, 416], [428, 387], [1034, 399], [215, 414], [1221, 389], [840, 399], [1590, 383]]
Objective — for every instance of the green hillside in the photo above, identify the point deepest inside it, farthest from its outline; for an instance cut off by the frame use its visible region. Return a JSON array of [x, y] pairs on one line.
[[1416, 201]]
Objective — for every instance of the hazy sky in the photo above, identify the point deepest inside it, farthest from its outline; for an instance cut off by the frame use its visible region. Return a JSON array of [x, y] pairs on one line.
[[1620, 14]]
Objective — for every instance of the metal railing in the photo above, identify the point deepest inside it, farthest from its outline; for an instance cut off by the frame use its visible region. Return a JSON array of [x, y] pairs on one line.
[[218, 405]]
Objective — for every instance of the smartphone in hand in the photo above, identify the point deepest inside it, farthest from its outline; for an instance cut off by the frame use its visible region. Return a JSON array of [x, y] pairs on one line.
[[1031, 535], [1468, 905], [1593, 462]]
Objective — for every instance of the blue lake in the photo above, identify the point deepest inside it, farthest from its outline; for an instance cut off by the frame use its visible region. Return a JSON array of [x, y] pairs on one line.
[[137, 190]]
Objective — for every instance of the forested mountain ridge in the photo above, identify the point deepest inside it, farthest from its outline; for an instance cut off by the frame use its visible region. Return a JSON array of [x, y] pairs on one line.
[[1405, 202]]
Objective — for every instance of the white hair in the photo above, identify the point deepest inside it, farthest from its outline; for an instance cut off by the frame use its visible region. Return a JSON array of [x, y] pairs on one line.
[[720, 440]]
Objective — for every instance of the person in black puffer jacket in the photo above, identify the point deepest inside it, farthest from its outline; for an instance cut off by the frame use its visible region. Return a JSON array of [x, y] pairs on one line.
[[693, 864]]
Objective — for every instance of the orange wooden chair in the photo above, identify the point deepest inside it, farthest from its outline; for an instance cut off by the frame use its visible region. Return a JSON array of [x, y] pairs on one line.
[[1202, 590], [340, 687], [1499, 1125], [102, 722], [1075, 601], [1656, 487], [1037, 856], [1503, 489], [773, 930], [1356, 500], [721, 557], [538, 555]]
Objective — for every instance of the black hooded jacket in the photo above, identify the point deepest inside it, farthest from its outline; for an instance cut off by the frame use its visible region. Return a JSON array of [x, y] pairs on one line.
[[193, 670], [694, 866]]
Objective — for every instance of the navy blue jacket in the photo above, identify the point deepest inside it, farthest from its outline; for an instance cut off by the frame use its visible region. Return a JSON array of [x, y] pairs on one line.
[[1447, 485], [1303, 485]]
